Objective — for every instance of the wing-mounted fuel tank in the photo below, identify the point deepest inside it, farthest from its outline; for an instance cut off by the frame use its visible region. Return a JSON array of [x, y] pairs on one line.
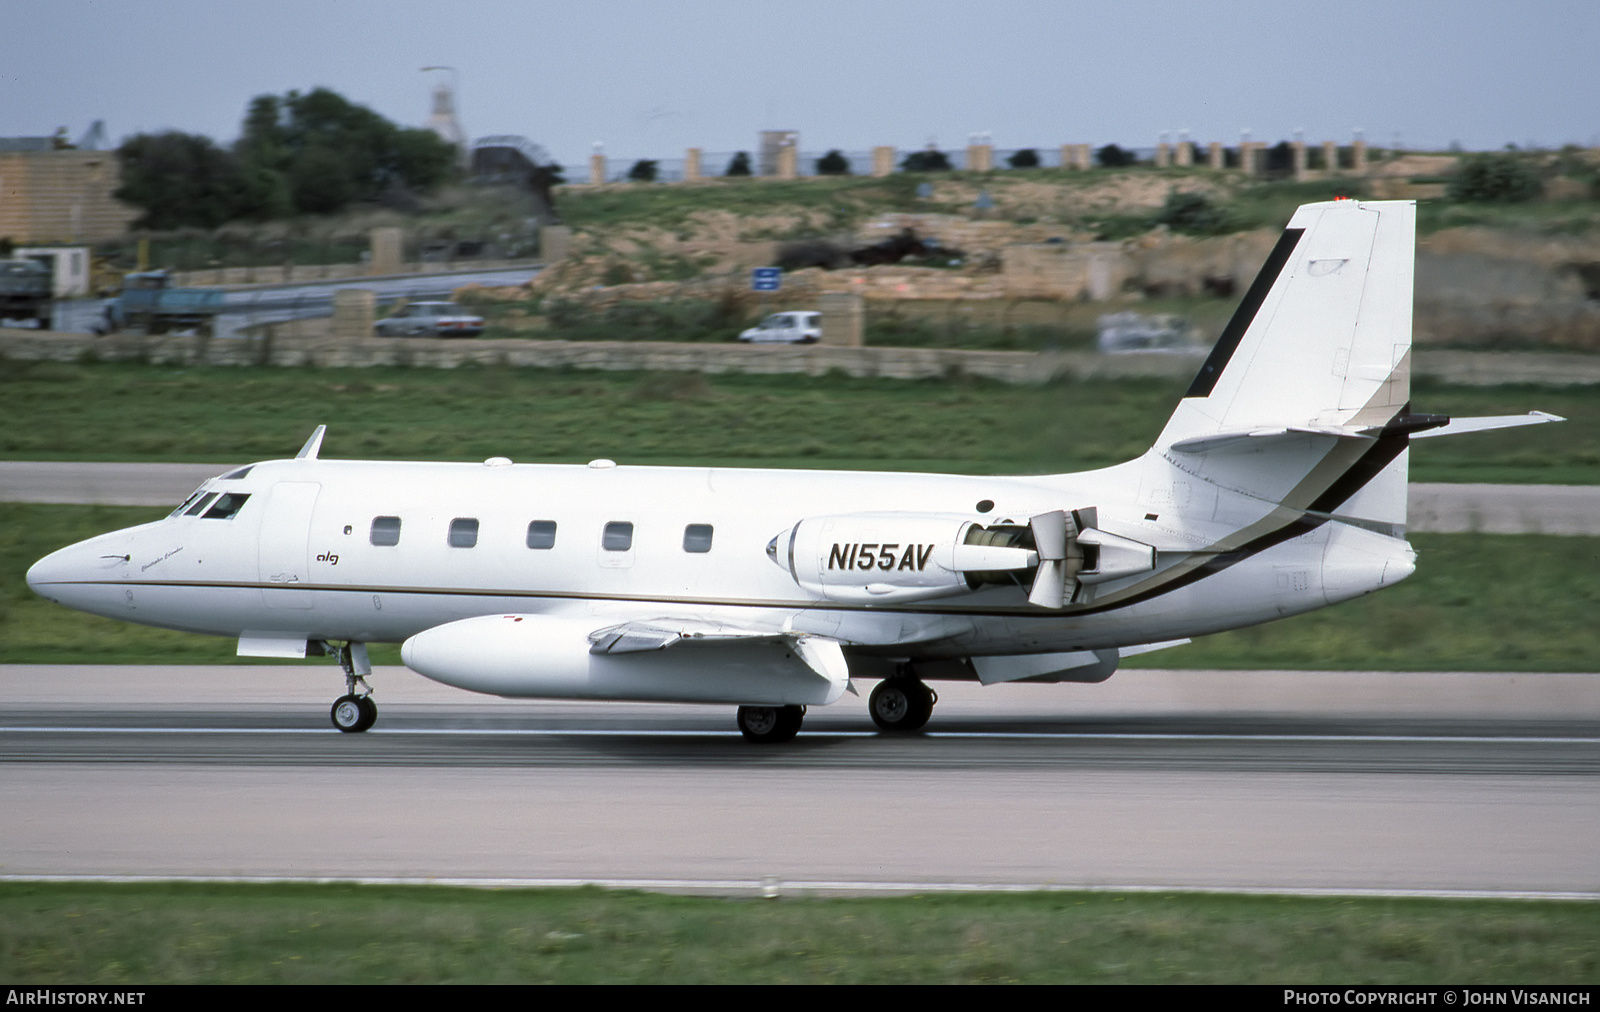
[[891, 558]]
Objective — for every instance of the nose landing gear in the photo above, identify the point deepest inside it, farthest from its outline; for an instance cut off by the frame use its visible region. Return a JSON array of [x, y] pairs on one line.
[[353, 713]]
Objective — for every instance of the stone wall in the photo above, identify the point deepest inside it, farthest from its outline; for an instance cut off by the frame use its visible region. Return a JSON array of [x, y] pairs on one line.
[[1470, 368]]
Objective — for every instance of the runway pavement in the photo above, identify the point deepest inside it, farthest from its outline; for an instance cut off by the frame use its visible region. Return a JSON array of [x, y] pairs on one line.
[[1440, 508], [1227, 780]]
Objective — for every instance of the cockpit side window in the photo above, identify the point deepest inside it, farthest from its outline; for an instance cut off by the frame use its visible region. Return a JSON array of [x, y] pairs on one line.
[[227, 506], [199, 507], [186, 503]]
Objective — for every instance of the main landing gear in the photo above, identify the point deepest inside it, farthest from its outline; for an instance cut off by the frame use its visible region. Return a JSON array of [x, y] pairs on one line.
[[353, 713], [901, 704], [770, 723]]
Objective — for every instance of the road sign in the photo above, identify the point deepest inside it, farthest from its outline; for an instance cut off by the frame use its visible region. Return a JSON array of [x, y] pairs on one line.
[[766, 279]]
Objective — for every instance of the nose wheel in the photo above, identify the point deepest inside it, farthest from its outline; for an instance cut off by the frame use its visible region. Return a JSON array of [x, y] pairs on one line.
[[901, 704], [353, 713]]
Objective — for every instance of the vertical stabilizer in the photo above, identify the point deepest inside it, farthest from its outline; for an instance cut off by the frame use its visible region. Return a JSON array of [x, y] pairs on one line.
[[1303, 401]]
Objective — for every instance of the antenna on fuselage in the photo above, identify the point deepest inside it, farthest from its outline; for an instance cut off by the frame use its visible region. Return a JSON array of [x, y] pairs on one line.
[[309, 451]]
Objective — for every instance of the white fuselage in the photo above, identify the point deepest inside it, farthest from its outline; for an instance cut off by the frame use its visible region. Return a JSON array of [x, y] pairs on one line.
[[298, 560]]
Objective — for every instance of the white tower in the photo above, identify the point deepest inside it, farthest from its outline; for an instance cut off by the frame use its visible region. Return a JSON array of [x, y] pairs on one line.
[[443, 121]]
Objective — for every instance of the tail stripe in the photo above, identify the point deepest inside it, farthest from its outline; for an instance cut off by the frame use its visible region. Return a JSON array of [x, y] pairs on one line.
[[1233, 333]]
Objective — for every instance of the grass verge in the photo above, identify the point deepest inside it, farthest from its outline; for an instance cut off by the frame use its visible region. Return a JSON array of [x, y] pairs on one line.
[[86, 933], [132, 412]]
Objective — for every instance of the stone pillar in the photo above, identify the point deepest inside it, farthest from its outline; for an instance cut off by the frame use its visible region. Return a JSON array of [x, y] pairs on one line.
[[1163, 155], [555, 241], [1298, 150], [1075, 156], [691, 165], [385, 246], [980, 157], [1216, 157], [1358, 157], [843, 319], [882, 161], [1249, 157], [352, 313], [1330, 157], [788, 162], [1184, 157], [597, 168]]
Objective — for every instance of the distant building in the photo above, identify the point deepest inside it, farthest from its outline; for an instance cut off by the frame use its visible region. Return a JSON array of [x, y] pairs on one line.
[[53, 195], [443, 121]]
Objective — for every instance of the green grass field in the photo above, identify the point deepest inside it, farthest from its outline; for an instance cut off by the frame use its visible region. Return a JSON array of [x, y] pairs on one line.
[[191, 933], [132, 412]]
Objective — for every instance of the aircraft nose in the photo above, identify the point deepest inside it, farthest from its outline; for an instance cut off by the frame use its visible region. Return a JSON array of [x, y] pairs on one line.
[[49, 571], [65, 576]]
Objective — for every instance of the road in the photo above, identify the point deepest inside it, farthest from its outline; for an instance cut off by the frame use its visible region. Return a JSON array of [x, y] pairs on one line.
[[258, 304], [1185, 779], [1487, 509]]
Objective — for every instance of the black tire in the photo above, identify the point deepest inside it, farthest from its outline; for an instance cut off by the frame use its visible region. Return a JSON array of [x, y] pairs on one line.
[[369, 712], [770, 724], [349, 715], [900, 704]]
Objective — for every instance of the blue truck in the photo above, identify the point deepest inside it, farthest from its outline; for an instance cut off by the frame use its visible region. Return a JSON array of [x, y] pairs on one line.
[[150, 303]]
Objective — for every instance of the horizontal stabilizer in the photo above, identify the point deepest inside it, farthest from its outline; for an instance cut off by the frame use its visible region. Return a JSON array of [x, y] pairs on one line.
[[1484, 423]]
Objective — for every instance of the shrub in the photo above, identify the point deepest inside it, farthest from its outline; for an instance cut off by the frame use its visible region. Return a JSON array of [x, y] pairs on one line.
[[739, 164], [1193, 213], [1113, 157], [643, 171], [1027, 158], [931, 160], [833, 164], [1495, 179]]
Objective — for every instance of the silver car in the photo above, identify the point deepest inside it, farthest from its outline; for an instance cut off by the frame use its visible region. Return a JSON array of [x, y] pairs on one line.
[[433, 319]]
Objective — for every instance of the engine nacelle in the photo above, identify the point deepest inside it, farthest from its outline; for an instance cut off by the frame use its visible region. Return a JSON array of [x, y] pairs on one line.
[[885, 558]]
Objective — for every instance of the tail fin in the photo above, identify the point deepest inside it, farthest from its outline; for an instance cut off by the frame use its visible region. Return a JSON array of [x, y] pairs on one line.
[[1303, 401]]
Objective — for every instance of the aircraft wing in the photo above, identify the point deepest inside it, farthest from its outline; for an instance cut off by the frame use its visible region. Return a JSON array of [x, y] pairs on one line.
[[658, 634]]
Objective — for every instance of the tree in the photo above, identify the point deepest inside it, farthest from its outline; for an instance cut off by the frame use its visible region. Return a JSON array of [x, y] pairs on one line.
[[326, 152], [643, 171], [739, 164], [929, 160], [1027, 158], [1113, 157], [180, 180], [833, 164], [1495, 179]]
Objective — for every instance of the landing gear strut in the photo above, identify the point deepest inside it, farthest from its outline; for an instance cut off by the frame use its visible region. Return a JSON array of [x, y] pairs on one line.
[[353, 713], [770, 723], [901, 704]]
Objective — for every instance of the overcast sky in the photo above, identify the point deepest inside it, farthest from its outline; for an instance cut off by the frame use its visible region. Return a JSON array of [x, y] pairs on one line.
[[651, 78]]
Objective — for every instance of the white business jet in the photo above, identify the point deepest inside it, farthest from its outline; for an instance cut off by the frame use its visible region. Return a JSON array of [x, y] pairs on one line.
[[1278, 486]]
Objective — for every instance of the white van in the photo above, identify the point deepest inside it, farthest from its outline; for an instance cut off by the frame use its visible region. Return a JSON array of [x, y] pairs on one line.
[[786, 328]]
